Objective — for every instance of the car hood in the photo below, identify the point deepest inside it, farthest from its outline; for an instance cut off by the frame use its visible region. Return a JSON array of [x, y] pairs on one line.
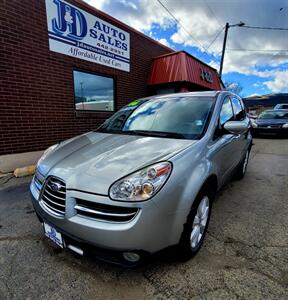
[[93, 161], [271, 121]]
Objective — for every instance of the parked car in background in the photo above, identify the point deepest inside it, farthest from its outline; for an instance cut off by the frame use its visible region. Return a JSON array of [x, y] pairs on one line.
[[281, 106], [271, 122], [145, 179]]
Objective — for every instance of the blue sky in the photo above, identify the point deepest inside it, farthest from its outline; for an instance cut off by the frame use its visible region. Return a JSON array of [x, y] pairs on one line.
[[256, 59]]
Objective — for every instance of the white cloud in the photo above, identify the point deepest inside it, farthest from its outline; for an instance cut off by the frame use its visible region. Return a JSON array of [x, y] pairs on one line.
[[98, 3], [139, 15], [129, 4], [257, 84], [253, 95], [233, 85], [164, 42], [193, 21], [204, 19], [279, 83], [214, 64]]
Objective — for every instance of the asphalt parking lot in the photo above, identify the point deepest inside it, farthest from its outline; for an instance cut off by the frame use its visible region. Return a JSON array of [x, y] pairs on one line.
[[245, 254]]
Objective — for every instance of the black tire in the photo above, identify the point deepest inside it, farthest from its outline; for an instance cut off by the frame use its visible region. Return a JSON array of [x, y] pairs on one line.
[[185, 250], [241, 169]]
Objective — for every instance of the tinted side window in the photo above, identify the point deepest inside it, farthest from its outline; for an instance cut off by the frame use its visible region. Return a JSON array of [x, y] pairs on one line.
[[238, 109], [226, 113]]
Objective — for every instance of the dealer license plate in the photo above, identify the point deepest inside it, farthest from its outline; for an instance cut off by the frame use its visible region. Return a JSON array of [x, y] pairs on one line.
[[53, 234]]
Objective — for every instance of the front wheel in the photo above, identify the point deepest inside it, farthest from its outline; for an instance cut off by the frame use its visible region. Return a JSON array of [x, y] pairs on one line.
[[241, 169], [196, 226]]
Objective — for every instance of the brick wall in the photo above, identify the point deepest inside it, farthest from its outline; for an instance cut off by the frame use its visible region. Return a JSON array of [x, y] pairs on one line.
[[36, 85]]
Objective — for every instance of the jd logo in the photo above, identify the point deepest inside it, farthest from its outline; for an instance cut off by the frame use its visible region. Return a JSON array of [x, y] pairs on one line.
[[206, 75], [70, 21]]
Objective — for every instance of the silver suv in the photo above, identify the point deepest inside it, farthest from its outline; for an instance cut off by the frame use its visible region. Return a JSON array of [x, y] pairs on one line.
[[145, 179]]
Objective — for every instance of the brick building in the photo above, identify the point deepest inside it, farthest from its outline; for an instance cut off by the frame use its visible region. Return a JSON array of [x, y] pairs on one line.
[[65, 67]]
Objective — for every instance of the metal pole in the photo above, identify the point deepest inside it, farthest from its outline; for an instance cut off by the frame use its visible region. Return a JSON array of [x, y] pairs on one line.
[[223, 49]]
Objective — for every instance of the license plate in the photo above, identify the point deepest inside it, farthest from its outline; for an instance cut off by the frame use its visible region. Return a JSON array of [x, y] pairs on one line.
[[53, 235]]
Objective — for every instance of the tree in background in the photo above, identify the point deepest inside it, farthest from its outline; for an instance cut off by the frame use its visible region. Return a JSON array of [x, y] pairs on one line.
[[234, 87]]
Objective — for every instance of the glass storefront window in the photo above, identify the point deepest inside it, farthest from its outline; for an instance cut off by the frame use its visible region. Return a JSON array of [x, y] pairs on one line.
[[93, 92]]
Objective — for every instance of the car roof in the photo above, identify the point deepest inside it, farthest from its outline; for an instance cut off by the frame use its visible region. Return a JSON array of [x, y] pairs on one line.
[[185, 94], [212, 94], [206, 93]]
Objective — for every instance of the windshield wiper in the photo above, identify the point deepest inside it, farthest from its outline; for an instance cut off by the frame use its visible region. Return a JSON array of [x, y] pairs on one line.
[[157, 133]]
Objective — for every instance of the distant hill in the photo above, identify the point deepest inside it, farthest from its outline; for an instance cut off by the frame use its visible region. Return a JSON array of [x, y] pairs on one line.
[[269, 100]]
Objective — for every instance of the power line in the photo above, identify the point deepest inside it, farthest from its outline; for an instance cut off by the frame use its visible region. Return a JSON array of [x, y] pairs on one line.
[[212, 12], [180, 24], [212, 42], [267, 28], [215, 38], [259, 50]]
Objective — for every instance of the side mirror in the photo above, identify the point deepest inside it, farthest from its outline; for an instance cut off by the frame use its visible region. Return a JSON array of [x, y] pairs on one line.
[[237, 127]]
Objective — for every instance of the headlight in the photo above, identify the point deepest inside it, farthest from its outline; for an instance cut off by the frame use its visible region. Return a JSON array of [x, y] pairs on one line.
[[46, 152], [141, 185], [285, 125], [254, 124]]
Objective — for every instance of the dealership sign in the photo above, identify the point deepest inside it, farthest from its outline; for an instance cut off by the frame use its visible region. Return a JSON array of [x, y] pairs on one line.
[[77, 33]]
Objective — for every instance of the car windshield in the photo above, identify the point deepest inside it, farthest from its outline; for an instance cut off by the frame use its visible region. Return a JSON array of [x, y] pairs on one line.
[[274, 115], [281, 106], [172, 117]]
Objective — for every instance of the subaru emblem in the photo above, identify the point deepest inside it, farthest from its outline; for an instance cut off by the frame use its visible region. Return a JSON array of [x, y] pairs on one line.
[[55, 186]]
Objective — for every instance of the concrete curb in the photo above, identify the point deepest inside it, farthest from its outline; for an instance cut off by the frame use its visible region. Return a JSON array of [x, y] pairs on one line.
[[26, 171], [10, 162]]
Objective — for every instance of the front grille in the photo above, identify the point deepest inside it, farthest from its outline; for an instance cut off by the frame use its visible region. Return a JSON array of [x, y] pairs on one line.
[[54, 196], [105, 212], [270, 126]]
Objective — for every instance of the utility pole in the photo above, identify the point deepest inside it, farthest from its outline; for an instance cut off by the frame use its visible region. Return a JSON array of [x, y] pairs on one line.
[[223, 49], [227, 26]]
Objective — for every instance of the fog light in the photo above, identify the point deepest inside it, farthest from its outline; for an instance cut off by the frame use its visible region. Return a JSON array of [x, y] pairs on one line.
[[131, 256]]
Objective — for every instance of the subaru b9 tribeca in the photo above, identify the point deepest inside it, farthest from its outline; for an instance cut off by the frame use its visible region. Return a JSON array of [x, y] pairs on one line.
[[146, 178]]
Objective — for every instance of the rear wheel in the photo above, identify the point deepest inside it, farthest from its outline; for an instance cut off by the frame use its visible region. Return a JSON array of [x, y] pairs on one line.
[[195, 227]]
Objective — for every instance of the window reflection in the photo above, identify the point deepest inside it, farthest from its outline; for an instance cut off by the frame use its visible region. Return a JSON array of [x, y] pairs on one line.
[[179, 115], [238, 109], [93, 92], [226, 113]]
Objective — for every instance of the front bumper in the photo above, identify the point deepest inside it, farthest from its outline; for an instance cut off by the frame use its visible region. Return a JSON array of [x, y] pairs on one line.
[[149, 231], [282, 132], [102, 254]]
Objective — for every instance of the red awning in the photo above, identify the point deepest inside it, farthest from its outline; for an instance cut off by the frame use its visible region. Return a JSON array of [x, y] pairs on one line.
[[183, 67]]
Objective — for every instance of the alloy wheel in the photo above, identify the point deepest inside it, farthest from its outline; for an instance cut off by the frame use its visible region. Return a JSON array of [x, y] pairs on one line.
[[245, 162]]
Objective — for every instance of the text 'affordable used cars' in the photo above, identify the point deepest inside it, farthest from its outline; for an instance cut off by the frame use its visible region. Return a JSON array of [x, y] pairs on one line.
[[145, 179]]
